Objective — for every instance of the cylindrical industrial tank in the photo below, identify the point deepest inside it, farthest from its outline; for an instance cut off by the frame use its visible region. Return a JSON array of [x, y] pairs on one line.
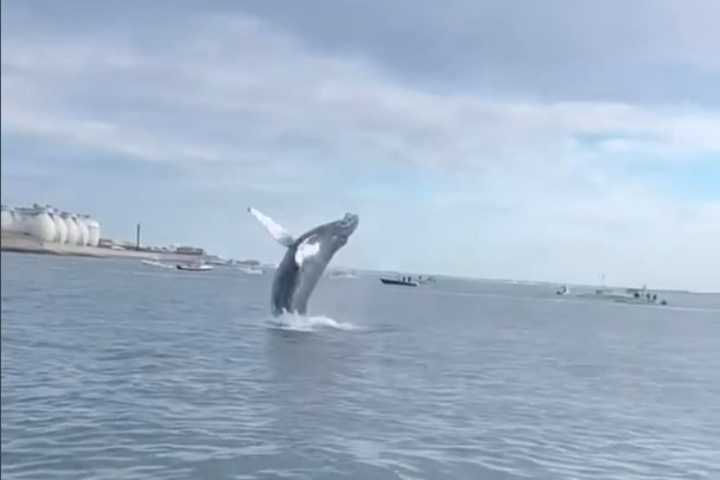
[[20, 219], [98, 233], [7, 219], [79, 239], [18, 225], [39, 225], [93, 231], [83, 229], [73, 234], [60, 227]]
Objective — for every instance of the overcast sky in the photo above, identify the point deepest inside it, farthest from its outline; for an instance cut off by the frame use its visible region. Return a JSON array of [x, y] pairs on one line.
[[553, 140]]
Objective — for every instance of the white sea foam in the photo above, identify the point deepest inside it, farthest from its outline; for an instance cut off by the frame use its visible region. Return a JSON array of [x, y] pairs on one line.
[[301, 323]]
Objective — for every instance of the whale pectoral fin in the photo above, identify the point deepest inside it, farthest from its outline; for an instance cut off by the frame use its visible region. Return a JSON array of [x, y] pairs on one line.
[[274, 229]]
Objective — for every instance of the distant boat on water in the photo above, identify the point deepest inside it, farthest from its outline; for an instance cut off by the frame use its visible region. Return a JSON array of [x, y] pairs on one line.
[[628, 295], [197, 267], [564, 290], [402, 281], [251, 270]]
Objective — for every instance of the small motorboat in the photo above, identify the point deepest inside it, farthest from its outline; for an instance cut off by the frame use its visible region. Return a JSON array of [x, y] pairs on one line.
[[641, 296], [402, 281], [194, 267], [251, 270], [564, 290]]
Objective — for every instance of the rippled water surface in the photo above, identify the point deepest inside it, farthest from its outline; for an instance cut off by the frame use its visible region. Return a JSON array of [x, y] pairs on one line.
[[113, 369]]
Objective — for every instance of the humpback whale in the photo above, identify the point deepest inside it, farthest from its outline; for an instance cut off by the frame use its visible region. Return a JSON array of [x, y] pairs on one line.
[[304, 261]]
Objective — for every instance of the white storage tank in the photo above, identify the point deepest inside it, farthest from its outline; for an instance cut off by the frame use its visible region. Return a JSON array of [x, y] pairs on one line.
[[38, 224], [73, 234], [48, 224], [60, 227], [14, 219], [93, 231], [79, 238], [18, 225], [7, 219], [83, 229]]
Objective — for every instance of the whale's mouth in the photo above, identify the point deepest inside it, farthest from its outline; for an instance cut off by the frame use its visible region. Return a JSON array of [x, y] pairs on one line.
[[349, 223]]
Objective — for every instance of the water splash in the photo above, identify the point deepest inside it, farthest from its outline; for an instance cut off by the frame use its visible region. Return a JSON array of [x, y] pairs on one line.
[[301, 323]]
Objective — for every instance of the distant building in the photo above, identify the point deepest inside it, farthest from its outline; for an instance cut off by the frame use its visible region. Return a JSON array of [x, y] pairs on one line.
[[50, 225], [249, 263], [190, 250]]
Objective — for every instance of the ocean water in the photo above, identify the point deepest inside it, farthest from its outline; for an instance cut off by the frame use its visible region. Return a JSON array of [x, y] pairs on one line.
[[113, 369]]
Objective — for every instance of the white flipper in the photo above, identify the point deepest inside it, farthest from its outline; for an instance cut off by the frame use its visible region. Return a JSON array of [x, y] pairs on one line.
[[305, 250], [276, 231]]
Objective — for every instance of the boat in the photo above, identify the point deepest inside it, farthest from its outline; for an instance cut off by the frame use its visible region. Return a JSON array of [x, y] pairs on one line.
[[402, 281], [628, 295], [564, 290], [251, 270], [201, 267]]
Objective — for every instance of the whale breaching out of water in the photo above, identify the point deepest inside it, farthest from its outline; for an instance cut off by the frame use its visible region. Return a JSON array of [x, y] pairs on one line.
[[304, 261]]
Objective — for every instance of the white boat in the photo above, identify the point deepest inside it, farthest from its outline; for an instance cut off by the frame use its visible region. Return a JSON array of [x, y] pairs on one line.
[[251, 270], [628, 295], [194, 267], [564, 290]]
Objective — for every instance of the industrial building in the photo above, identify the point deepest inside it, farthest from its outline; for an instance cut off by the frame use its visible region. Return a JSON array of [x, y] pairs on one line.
[[50, 225], [186, 250]]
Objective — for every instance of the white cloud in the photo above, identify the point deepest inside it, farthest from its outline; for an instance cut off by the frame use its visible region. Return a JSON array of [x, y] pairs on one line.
[[239, 105]]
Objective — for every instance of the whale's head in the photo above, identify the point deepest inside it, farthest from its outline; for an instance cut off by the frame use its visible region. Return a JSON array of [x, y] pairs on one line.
[[345, 227]]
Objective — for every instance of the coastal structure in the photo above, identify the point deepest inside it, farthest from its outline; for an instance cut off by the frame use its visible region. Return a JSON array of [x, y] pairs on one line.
[[47, 230], [187, 250], [47, 224]]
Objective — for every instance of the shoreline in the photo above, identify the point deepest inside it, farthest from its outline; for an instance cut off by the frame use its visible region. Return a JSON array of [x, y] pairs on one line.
[[23, 244]]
